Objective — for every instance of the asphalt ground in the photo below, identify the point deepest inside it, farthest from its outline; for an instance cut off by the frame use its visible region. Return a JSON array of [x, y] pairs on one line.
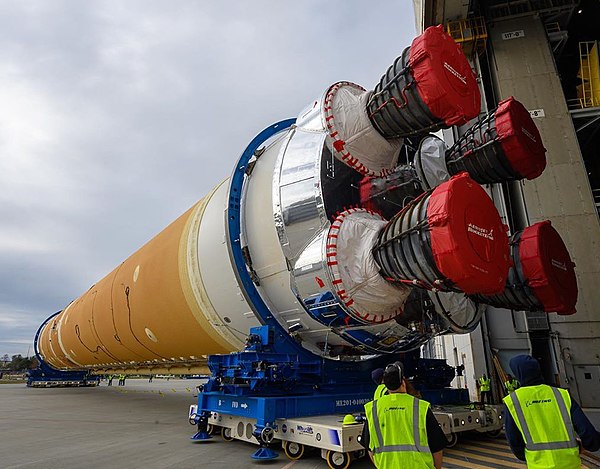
[[144, 425], [139, 425]]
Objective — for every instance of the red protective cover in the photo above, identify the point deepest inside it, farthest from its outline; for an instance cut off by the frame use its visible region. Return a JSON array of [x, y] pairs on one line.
[[520, 139], [444, 77], [548, 268], [468, 239], [365, 191]]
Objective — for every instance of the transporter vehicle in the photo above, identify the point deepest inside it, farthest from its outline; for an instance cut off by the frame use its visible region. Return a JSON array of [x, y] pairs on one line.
[[337, 436], [326, 255]]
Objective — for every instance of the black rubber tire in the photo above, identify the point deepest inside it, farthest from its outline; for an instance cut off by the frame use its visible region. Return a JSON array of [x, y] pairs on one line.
[[452, 440], [337, 460], [212, 429], [227, 434], [293, 450], [494, 433]]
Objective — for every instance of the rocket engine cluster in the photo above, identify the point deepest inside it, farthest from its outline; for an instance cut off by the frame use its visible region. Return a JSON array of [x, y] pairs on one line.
[[351, 253]]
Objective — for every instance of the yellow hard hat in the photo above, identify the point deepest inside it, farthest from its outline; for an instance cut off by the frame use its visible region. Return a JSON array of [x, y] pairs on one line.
[[349, 419]]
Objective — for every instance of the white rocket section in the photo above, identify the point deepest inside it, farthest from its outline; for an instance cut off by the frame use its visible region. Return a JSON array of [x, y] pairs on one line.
[[234, 315]]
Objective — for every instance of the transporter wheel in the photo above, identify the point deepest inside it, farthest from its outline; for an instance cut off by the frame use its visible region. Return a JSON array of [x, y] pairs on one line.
[[452, 440], [227, 434], [293, 450], [212, 429], [494, 433], [337, 460]]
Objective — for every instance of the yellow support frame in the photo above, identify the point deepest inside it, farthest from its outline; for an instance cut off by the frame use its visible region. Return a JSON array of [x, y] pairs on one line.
[[470, 33], [589, 73]]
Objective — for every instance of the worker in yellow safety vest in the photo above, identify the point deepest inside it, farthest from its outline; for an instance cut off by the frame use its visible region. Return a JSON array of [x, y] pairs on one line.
[[377, 377], [485, 389], [541, 421], [401, 430], [511, 384]]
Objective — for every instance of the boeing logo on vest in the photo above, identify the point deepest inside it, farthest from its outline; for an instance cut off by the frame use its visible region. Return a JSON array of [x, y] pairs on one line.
[[538, 401]]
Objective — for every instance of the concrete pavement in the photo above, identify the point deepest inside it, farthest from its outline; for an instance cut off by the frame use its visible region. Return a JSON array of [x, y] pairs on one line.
[[139, 425]]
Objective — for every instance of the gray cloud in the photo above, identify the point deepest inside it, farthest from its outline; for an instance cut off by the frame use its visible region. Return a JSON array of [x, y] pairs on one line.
[[117, 116]]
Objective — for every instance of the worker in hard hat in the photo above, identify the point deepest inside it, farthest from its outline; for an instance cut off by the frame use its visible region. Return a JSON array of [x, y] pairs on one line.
[[511, 384], [377, 377], [541, 422], [485, 389], [401, 430]]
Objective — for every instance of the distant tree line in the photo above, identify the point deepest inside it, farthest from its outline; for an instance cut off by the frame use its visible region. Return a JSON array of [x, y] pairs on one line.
[[17, 363]]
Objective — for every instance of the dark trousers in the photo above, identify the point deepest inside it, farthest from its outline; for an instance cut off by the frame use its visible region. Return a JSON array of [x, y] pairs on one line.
[[486, 397]]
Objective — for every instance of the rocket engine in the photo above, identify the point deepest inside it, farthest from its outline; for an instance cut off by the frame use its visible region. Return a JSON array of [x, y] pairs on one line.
[[299, 236]]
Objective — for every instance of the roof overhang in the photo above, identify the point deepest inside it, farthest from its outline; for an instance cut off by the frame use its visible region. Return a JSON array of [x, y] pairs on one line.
[[432, 12]]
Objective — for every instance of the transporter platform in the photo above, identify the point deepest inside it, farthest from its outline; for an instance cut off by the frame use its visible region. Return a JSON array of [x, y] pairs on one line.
[[338, 439]]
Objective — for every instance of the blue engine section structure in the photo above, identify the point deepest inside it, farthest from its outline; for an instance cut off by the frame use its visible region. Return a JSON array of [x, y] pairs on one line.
[[46, 376], [274, 376]]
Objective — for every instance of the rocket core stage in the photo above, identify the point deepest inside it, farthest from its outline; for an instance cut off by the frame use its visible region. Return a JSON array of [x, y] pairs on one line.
[[317, 256]]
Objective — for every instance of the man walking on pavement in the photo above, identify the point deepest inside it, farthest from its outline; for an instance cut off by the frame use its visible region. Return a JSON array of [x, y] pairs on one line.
[[401, 430], [541, 421]]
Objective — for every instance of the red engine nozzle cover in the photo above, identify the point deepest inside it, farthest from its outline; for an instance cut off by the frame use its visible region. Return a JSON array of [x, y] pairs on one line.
[[548, 268], [445, 80], [520, 139], [468, 239]]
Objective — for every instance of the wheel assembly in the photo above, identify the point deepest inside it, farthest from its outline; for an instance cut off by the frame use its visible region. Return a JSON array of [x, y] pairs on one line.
[[212, 429], [293, 450], [227, 434], [452, 440], [337, 460]]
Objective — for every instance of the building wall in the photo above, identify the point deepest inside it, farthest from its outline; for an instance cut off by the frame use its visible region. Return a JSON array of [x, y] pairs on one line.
[[524, 67], [460, 350]]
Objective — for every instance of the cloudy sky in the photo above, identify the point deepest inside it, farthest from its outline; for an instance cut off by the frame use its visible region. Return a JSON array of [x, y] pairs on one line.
[[116, 116]]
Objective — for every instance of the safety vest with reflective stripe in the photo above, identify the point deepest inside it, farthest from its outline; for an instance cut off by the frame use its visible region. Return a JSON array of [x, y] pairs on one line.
[[380, 391], [484, 384], [398, 432], [543, 416]]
